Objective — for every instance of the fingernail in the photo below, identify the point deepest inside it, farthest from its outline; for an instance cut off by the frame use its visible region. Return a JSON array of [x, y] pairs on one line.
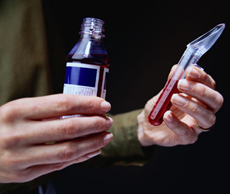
[[105, 106], [109, 121], [185, 85], [108, 138], [91, 155], [193, 73], [168, 117], [178, 100]]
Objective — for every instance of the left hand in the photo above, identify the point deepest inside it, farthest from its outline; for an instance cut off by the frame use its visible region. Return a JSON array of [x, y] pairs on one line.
[[195, 106]]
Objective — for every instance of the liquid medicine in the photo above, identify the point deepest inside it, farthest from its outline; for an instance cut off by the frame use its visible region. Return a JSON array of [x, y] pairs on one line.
[[88, 62], [163, 103]]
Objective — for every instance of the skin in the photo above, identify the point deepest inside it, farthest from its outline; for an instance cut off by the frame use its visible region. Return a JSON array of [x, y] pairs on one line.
[[27, 125], [34, 140], [195, 105]]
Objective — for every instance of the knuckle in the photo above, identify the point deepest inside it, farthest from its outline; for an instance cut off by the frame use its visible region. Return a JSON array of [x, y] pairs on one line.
[[93, 143], [188, 138], [209, 80], [9, 141], [91, 105], [10, 162], [219, 99], [69, 128], [186, 134], [66, 154], [213, 82], [7, 112], [96, 144], [63, 104], [209, 122], [212, 120], [202, 91], [100, 124], [195, 108], [5, 162]]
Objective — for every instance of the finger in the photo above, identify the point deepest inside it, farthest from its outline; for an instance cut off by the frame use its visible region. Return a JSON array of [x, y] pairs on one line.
[[183, 133], [172, 71], [65, 151], [196, 74], [39, 170], [59, 105], [204, 117], [203, 93], [64, 129]]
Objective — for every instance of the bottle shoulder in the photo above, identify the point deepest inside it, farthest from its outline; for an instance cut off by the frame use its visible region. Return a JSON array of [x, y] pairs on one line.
[[90, 51], [99, 60]]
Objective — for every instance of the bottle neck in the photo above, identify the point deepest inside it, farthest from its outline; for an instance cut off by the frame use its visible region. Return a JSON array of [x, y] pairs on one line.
[[92, 28]]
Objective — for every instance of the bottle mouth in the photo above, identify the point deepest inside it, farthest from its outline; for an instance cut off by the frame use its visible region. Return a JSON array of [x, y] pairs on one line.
[[93, 20], [92, 26]]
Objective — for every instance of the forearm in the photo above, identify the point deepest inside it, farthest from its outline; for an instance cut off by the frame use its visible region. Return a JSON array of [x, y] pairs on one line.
[[125, 143]]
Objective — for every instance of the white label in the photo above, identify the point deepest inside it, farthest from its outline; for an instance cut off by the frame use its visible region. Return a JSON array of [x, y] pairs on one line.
[[81, 79]]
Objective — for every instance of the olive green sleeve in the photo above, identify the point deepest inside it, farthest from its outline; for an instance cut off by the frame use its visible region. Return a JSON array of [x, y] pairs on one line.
[[125, 147]]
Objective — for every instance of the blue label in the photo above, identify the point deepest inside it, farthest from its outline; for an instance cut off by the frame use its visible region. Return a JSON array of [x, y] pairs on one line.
[[81, 76]]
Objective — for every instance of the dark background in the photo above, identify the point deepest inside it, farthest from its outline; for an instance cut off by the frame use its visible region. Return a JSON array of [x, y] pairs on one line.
[[143, 40]]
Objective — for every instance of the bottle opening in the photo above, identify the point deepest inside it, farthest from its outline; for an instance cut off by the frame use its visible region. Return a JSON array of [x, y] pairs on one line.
[[93, 27]]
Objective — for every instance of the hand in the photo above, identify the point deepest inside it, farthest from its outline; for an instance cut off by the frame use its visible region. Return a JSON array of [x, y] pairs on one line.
[[27, 125], [195, 106]]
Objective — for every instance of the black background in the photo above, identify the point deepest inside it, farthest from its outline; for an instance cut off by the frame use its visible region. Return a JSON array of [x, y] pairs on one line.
[[143, 40]]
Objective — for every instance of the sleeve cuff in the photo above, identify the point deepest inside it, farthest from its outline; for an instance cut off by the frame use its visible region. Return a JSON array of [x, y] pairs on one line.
[[125, 147]]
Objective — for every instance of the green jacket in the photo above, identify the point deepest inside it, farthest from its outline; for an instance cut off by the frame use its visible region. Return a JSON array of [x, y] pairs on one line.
[[32, 63]]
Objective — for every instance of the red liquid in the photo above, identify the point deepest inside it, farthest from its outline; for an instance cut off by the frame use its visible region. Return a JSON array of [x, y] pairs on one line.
[[163, 103], [101, 60]]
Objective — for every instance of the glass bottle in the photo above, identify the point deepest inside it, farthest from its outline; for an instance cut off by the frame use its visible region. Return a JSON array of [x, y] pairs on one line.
[[88, 63]]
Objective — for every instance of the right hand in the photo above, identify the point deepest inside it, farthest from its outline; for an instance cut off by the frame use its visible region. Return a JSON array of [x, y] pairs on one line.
[[28, 124], [195, 106]]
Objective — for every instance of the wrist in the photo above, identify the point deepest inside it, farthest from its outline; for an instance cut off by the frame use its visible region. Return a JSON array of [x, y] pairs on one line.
[[142, 133]]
